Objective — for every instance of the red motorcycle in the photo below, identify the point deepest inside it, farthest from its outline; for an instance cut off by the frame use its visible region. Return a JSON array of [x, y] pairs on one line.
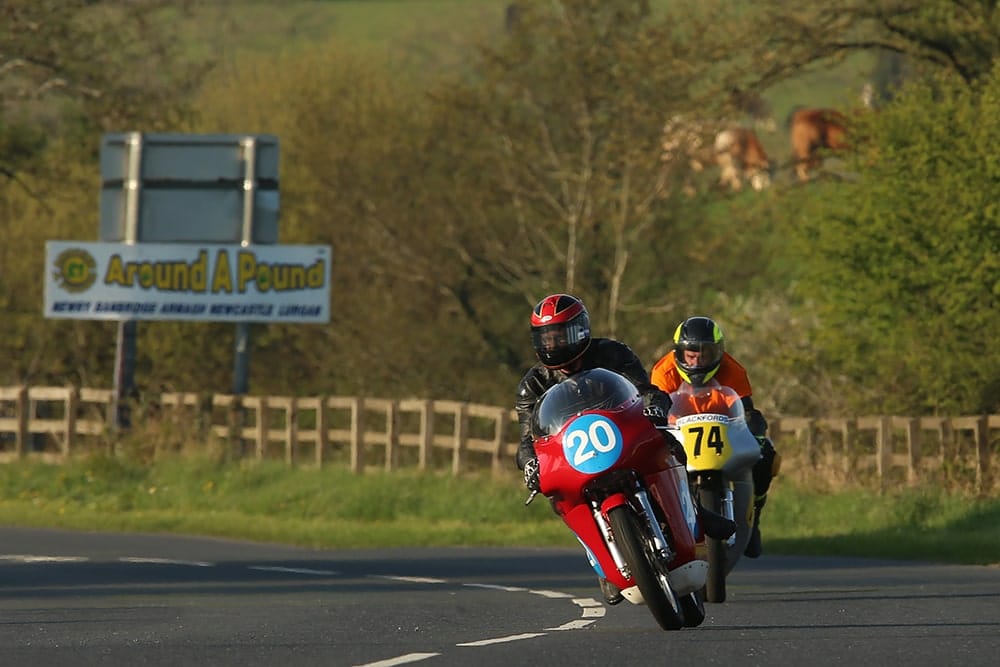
[[609, 474]]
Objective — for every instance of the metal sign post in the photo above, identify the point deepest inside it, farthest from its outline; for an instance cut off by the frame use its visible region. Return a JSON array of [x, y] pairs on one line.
[[167, 188]]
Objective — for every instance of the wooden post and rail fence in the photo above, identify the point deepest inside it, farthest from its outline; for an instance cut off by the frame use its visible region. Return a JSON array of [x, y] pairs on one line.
[[54, 424]]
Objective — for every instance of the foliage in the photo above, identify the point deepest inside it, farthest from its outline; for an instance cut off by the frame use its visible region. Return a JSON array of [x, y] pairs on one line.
[[962, 38], [457, 194], [904, 259]]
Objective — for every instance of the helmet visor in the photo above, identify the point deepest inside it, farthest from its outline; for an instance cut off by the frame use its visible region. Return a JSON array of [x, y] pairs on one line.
[[709, 353], [558, 344]]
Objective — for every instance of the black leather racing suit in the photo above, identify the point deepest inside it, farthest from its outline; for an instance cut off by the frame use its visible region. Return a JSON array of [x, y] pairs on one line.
[[602, 353]]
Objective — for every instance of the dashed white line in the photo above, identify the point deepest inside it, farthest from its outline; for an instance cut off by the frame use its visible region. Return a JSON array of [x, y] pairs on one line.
[[571, 625], [27, 558], [501, 640], [592, 609], [165, 561], [494, 587], [294, 570], [410, 580], [552, 595], [401, 660]]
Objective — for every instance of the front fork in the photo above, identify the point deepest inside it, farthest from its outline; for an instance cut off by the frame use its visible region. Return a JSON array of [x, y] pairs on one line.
[[727, 509], [660, 544]]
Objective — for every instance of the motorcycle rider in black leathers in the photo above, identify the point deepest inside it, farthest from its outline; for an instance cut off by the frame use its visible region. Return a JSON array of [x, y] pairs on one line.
[[560, 334]]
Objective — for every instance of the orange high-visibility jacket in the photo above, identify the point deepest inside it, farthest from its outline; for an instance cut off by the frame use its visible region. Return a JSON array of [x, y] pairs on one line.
[[666, 376]]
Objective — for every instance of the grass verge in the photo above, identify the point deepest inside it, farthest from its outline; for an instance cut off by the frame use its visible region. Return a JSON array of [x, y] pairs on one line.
[[332, 508]]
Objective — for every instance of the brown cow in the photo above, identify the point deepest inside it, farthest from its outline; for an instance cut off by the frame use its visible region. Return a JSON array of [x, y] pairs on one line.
[[813, 130], [739, 154]]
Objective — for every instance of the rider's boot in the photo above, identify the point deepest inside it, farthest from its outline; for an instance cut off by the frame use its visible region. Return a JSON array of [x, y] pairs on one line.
[[714, 524], [754, 547], [612, 594], [763, 472]]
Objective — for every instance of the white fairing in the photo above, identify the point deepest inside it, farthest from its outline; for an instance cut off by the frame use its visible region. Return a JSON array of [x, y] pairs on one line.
[[689, 577], [633, 595]]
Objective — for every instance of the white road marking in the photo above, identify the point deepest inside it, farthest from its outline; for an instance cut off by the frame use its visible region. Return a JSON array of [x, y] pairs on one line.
[[572, 625], [165, 561], [28, 558], [294, 570], [501, 640], [494, 587], [552, 595], [591, 608], [410, 580], [401, 660]]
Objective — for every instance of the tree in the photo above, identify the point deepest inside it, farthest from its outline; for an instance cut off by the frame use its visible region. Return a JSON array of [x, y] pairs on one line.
[[70, 70], [557, 181], [935, 35], [904, 262]]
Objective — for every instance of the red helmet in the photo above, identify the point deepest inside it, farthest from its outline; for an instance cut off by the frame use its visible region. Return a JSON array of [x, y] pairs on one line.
[[560, 330]]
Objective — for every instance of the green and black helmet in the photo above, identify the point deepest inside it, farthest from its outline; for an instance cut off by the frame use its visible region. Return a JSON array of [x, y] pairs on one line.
[[699, 334]]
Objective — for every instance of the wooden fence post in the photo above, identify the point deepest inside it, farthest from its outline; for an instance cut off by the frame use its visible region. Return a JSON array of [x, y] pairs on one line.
[[322, 430], [498, 438], [358, 435], [291, 430], [913, 450], [21, 438], [883, 452], [426, 437], [72, 405], [982, 435], [392, 435], [461, 433]]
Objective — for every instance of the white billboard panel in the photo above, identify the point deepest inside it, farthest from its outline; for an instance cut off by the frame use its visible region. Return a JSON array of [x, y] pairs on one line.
[[186, 281]]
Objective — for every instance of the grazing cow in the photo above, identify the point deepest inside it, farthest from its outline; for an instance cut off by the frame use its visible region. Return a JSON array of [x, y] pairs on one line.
[[684, 146], [736, 151], [813, 130], [739, 154]]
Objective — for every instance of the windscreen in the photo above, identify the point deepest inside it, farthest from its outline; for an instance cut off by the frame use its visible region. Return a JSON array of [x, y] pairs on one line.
[[595, 389]]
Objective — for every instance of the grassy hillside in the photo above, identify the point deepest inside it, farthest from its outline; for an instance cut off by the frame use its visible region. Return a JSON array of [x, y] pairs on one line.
[[428, 39]]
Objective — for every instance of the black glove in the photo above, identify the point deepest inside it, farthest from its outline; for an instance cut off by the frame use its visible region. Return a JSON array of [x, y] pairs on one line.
[[756, 423], [655, 414], [531, 475]]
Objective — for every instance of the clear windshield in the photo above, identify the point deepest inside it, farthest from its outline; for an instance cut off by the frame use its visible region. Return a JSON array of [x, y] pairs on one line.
[[595, 389], [711, 398]]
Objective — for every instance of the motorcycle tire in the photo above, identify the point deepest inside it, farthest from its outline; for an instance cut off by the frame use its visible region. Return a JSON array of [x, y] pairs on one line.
[[694, 609], [717, 550], [636, 548]]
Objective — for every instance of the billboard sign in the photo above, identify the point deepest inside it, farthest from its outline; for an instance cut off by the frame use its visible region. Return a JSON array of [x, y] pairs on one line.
[[186, 281]]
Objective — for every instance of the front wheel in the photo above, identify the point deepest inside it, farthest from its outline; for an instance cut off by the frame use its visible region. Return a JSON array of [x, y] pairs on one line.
[[654, 585], [694, 609], [715, 584]]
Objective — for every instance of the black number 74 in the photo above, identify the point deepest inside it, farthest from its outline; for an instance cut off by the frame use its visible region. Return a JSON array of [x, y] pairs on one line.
[[714, 439]]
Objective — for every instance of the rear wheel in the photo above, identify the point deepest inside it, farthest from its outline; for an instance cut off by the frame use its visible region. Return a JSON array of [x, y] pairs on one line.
[[715, 584], [637, 551]]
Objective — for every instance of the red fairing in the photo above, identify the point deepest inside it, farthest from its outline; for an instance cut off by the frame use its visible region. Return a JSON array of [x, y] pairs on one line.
[[645, 451], [664, 487]]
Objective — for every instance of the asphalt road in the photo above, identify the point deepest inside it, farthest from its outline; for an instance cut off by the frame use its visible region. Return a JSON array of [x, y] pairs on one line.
[[71, 598]]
